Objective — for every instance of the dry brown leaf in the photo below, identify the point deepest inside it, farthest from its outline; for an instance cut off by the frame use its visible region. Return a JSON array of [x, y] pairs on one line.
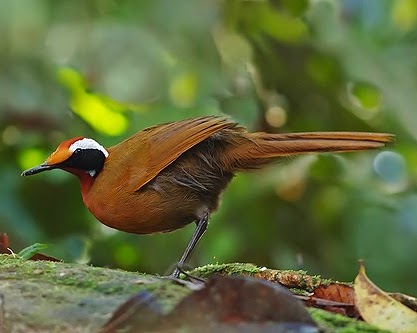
[[336, 292], [4, 244], [407, 300], [335, 297], [4, 239], [381, 310], [224, 304]]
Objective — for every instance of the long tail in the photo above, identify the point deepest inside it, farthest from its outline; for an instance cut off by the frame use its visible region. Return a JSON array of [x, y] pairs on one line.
[[261, 148]]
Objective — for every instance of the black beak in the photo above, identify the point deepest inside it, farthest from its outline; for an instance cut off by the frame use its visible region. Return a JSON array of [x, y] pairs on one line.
[[40, 168]]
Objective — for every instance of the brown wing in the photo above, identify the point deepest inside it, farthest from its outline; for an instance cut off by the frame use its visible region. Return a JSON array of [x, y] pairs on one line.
[[144, 155]]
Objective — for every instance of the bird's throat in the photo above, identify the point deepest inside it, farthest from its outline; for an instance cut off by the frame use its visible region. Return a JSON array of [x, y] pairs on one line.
[[86, 180]]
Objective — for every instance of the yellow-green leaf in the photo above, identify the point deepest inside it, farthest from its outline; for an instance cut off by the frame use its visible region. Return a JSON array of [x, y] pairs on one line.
[[381, 310], [183, 89]]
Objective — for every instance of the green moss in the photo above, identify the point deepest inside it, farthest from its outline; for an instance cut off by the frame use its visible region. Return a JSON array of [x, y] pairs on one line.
[[297, 279], [300, 292], [74, 275], [225, 269], [54, 296], [332, 322], [59, 297], [93, 279], [308, 282]]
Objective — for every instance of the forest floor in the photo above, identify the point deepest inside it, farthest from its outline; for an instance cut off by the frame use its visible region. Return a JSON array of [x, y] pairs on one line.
[[44, 296]]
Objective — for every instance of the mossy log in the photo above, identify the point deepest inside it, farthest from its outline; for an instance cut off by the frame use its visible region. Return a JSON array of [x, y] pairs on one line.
[[44, 296]]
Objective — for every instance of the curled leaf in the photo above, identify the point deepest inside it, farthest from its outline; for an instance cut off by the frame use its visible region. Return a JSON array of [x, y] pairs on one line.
[[378, 308]]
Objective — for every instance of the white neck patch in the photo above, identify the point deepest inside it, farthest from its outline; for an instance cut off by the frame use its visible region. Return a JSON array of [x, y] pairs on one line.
[[87, 143]]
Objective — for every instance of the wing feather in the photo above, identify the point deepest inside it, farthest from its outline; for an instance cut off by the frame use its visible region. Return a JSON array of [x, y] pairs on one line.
[[144, 155]]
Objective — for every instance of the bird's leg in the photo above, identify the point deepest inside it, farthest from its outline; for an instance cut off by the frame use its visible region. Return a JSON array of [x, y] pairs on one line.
[[198, 233]]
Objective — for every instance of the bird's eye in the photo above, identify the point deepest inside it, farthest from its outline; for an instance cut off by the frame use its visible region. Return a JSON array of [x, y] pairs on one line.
[[77, 151]]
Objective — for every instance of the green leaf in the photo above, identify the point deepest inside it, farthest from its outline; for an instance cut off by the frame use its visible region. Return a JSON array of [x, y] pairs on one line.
[[30, 251]]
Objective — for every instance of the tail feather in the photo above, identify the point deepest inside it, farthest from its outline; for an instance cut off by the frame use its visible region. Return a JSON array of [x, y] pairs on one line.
[[261, 148]]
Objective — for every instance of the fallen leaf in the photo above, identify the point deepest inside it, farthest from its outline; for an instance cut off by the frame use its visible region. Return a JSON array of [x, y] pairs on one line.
[[336, 292], [335, 297], [140, 312], [40, 256], [381, 310], [407, 300], [4, 239], [224, 304], [242, 299], [4, 244]]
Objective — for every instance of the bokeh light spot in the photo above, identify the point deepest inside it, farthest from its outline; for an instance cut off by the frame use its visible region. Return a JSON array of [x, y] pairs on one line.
[[276, 116], [404, 14], [364, 96], [391, 167], [183, 89], [11, 135], [102, 114], [126, 255], [31, 157]]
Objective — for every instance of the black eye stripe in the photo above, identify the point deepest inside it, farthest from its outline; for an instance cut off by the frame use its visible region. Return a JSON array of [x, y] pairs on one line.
[[85, 159]]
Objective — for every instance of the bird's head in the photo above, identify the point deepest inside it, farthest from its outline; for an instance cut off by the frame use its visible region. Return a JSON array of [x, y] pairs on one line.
[[80, 156]]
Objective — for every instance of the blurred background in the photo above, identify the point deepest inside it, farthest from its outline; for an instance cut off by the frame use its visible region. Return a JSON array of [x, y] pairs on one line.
[[106, 69]]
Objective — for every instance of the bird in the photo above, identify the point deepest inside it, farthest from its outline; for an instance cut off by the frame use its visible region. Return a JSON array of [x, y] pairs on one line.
[[167, 176]]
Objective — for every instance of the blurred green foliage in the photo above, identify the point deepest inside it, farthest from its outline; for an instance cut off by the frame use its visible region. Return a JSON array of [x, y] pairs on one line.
[[107, 69]]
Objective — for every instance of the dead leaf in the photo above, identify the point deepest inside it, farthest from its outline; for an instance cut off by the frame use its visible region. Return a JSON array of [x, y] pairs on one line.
[[335, 297], [4, 239], [4, 244], [336, 292], [224, 304], [242, 299], [407, 300], [381, 310], [40, 256], [139, 312]]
